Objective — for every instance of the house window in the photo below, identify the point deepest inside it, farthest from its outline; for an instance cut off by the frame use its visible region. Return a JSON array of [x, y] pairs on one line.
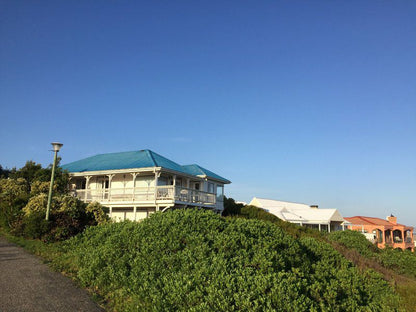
[[80, 184], [220, 193], [162, 181], [210, 187]]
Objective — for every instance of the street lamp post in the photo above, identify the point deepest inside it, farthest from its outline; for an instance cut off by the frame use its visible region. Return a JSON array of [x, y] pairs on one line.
[[56, 147]]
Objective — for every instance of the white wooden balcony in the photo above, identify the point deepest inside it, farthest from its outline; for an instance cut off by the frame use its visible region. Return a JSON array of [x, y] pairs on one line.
[[166, 194]]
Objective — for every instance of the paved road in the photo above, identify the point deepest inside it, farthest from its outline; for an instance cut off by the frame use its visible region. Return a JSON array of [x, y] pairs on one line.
[[26, 284]]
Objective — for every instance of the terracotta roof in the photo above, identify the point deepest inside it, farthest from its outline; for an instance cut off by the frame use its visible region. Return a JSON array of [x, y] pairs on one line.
[[372, 221]]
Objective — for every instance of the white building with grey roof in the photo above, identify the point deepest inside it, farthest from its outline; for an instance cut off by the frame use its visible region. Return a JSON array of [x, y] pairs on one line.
[[306, 215]]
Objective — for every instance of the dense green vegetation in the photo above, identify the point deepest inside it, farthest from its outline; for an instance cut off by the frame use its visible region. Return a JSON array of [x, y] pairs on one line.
[[189, 260], [401, 261], [356, 241], [23, 200], [394, 265]]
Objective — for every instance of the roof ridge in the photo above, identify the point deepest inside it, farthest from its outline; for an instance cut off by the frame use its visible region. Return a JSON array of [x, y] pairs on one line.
[[285, 201], [363, 218], [196, 165], [150, 154], [191, 165]]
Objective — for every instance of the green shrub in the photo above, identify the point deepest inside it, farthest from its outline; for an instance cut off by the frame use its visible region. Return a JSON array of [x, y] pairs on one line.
[[402, 261], [13, 197], [355, 240], [99, 212], [36, 204], [188, 260], [39, 187], [231, 208], [68, 217], [32, 226], [252, 212]]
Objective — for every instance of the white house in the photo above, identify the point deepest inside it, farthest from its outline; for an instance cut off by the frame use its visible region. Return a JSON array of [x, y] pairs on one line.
[[135, 184], [302, 214]]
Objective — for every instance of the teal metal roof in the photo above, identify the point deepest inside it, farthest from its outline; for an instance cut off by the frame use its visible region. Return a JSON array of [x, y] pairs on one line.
[[135, 159], [124, 160], [198, 170]]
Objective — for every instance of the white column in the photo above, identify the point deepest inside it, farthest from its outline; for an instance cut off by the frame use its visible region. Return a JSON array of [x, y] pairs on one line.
[[156, 179], [174, 188], [110, 178], [134, 212], [87, 185], [329, 227], [319, 226], [111, 212], [157, 175], [134, 174]]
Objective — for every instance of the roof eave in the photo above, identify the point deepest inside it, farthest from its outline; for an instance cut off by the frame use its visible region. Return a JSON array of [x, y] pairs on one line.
[[130, 170]]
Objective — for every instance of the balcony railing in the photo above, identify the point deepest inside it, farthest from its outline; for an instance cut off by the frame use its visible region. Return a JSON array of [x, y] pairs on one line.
[[397, 239], [151, 194]]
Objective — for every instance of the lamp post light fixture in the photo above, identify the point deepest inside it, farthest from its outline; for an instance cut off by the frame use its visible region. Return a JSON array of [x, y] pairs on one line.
[[56, 147]]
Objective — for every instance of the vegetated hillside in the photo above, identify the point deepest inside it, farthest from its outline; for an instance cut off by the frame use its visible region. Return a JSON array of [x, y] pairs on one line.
[[396, 266], [401, 261], [190, 260]]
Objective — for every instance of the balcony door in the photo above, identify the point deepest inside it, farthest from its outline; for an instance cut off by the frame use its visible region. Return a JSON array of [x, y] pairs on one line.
[[102, 185], [195, 185]]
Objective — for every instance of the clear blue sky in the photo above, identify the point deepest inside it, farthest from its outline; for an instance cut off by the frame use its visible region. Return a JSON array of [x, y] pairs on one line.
[[305, 101]]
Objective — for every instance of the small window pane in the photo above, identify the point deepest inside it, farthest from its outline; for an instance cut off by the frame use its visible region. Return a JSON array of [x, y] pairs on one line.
[[220, 192]]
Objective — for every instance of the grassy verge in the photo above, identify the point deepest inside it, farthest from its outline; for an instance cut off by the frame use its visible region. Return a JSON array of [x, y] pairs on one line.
[[47, 251]]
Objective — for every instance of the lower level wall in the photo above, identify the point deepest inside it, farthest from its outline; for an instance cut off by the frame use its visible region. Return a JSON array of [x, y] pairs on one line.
[[123, 214], [127, 213]]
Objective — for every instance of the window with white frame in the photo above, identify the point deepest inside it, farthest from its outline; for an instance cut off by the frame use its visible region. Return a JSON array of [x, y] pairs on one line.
[[210, 187], [220, 192]]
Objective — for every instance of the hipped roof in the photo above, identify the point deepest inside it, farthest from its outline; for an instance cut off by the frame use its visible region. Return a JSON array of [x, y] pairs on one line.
[[361, 220], [137, 159]]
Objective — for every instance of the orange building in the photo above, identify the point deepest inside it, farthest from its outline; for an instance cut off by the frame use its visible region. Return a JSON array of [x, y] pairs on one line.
[[386, 232]]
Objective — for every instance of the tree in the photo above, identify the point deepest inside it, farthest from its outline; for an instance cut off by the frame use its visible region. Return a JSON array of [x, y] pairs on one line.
[[231, 208], [13, 197], [4, 173], [28, 172], [33, 173]]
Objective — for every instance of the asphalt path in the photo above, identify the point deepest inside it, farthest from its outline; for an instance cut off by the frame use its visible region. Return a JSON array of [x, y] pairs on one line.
[[27, 284]]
